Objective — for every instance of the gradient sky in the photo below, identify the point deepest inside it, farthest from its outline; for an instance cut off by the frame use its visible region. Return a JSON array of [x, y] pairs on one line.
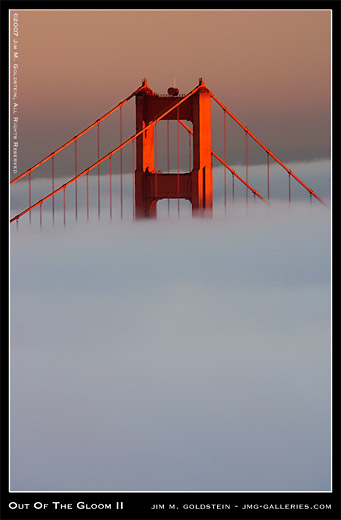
[[271, 68]]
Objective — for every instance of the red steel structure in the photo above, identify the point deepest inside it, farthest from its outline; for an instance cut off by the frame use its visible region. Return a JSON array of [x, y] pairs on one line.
[[195, 185], [247, 132], [150, 185]]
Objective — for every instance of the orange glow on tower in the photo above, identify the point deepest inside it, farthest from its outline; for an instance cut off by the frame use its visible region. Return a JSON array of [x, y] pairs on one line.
[[196, 185]]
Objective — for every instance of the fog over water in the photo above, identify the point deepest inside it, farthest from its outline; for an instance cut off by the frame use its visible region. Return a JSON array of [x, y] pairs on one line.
[[172, 354]]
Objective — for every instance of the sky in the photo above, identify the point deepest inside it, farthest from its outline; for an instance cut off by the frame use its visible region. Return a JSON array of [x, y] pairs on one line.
[[176, 353], [270, 68]]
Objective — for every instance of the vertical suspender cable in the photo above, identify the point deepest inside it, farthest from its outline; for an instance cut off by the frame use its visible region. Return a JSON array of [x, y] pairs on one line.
[[167, 145], [168, 153], [289, 176], [268, 174], [178, 158], [225, 160], [110, 187], [29, 193], [64, 206], [233, 187], [121, 169], [246, 166], [133, 174], [87, 196], [41, 214], [76, 180], [155, 160], [98, 175], [53, 189]]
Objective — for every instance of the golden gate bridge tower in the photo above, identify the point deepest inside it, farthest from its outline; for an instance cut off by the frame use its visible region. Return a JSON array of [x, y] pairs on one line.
[[195, 185]]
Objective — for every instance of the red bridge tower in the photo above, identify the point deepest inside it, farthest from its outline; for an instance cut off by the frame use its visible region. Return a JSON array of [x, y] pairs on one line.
[[196, 185]]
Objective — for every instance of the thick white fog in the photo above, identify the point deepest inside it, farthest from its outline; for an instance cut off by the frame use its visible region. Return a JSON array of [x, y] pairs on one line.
[[172, 354]]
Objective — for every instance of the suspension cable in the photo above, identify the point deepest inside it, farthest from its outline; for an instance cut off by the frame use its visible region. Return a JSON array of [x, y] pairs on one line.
[[267, 150], [78, 135], [238, 177], [227, 166], [104, 158]]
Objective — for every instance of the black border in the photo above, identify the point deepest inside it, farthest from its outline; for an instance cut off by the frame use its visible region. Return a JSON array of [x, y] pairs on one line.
[[137, 505]]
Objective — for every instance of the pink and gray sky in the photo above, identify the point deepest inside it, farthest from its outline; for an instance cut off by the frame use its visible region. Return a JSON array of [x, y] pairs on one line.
[[272, 69]]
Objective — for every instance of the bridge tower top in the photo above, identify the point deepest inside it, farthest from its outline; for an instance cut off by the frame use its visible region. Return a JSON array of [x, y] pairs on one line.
[[197, 109]]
